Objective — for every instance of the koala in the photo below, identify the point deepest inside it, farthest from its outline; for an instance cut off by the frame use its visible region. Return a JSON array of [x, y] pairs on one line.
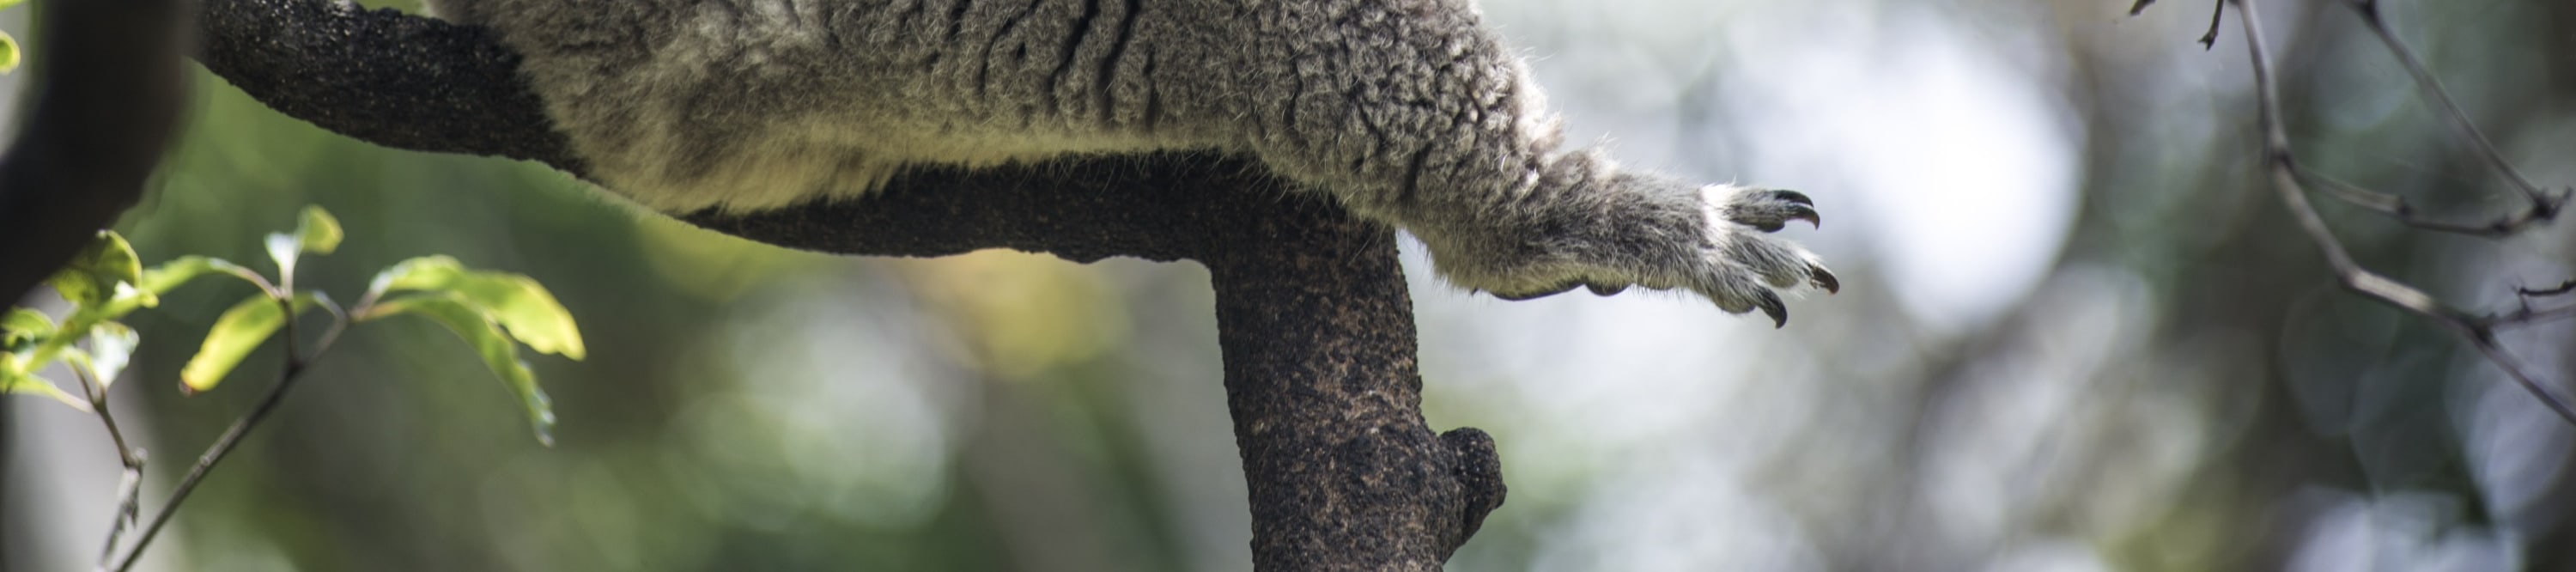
[[1408, 112]]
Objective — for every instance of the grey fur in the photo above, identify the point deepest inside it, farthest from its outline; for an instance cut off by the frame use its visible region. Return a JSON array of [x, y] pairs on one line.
[[1408, 111]]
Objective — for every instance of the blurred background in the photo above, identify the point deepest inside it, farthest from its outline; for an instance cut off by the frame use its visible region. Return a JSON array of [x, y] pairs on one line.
[[2077, 333]]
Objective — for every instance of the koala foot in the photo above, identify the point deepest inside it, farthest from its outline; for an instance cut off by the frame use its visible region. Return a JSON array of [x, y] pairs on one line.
[[1734, 262]]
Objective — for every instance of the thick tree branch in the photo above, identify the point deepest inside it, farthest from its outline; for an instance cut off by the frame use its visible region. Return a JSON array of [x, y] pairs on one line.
[[1313, 316]]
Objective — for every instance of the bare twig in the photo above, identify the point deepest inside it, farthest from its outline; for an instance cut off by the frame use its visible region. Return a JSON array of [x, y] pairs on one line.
[[2217, 12], [2403, 211], [296, 360], [2544, 204], [2284, 170], [129, 487]]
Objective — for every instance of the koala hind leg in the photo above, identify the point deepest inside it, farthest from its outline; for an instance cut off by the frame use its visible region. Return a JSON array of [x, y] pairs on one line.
[[1426, 121]]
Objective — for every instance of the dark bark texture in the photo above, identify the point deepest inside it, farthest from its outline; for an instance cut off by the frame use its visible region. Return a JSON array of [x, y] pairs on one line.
[[1313, 318]]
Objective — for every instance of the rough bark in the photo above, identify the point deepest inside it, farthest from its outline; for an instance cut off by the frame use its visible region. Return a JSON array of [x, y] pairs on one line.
[[1316, 328]]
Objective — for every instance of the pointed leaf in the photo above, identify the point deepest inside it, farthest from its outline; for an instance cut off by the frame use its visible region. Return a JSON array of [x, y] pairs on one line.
[[493, 345], [92, 276], [317, 233], [169, 275], [233, 336], [423, 273], [521, 305], [111, 346], [159, 280]]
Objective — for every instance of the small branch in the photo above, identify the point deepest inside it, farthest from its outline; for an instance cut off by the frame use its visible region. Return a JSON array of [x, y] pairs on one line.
[[2399, 209], [2207, 40], [129, 486], [223, 447], [2544, 205], [2217, 12], [2284, 169]]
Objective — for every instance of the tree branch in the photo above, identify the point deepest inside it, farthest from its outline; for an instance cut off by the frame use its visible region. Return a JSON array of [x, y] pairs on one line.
[[2282, 164], [1312, 312]]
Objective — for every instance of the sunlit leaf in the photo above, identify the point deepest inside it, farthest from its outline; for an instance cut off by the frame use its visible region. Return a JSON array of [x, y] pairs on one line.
[[317, 233], [111, 347], [519, 303], [92, 276], [477, 327], [233, 336], [7, 4], [22, 327], [8, 52]]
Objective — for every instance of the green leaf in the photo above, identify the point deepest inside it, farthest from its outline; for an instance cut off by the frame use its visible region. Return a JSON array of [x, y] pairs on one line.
[[111, 347], [521, 305], [317, 233], [23, 327], [6, 4], [36, 385], [92, 276], [8, 49], [234, 335], [477, 327]]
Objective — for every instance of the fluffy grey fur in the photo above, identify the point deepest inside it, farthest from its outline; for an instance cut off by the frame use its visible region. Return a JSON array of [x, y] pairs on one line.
[[1408, 111]]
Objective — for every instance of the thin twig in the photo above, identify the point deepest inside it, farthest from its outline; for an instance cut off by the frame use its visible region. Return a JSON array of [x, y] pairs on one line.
[[295, 365], [2217, 12], [129, 487], [2544, 205], [2403, 211], [2283, 167]]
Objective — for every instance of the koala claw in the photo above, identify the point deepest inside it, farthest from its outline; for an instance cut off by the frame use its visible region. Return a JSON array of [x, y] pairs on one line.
[[1771, 209], [1822, 278], [1771, 306]]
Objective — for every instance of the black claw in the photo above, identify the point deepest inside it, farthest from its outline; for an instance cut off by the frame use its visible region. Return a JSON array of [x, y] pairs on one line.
[[1793, 196], [1600, 290], [1561, 289], [1806, 213], [1825, 279], [1771, 305]]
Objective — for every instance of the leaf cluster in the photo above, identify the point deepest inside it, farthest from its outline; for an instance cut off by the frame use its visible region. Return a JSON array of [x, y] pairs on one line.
[[495, 312]]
